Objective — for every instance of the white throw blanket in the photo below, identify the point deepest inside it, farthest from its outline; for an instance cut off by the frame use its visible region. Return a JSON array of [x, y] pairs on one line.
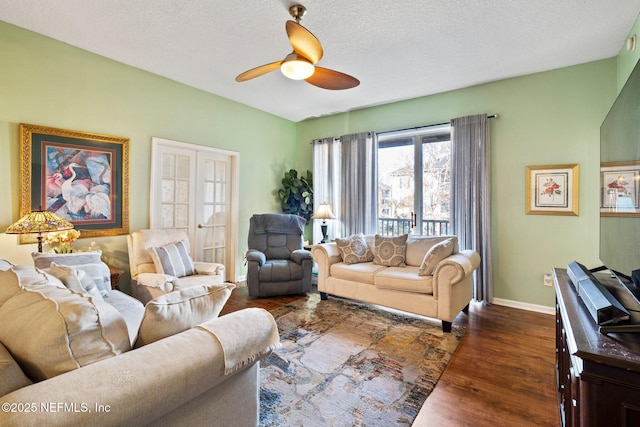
[[239, 347]]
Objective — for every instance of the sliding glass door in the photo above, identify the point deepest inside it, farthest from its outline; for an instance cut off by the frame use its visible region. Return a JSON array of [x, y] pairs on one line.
[[414, 191]]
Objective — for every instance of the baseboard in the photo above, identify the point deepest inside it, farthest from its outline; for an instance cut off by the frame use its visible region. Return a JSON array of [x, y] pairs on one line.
[[241, 280], [524, 306]]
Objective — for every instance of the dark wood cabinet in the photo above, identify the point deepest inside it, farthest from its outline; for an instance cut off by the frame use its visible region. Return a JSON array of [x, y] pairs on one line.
[[598, 375]]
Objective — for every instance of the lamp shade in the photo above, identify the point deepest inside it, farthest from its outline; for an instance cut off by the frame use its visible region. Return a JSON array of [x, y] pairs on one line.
[[39, 222], [323, 212]]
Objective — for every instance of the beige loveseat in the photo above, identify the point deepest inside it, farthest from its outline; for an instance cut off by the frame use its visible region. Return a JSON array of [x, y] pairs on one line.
[[442, 294], [68, 359]]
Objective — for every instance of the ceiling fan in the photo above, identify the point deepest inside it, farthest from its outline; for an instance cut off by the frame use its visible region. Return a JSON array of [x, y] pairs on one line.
[[301, 63]]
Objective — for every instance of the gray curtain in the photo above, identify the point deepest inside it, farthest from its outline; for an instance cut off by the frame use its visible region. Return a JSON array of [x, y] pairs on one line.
[[471, 199], [345, 176]]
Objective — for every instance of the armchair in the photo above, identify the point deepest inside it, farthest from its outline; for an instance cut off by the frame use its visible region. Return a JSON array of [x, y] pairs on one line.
[[148, 282], [276, 262]]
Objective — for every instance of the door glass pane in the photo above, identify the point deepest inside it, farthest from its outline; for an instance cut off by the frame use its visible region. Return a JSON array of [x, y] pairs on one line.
[[436, 184], [168, 165], [182, 216], [167, 190], [182, 192], [395, 188], [166, 218], [183, 167]]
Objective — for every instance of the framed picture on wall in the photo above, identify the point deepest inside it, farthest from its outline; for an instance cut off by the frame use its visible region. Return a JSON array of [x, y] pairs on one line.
[[82, 177], [552, 190], [620, 188]]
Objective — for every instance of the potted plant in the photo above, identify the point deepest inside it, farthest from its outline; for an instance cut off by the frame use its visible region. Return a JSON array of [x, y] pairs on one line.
[[297, 195]]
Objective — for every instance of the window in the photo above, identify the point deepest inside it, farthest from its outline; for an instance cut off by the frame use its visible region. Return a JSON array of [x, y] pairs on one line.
[[414, 181]]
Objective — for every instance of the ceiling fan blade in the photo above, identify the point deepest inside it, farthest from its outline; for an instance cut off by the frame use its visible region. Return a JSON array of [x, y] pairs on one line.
[[258, 71], [333, 80], [304, 43]]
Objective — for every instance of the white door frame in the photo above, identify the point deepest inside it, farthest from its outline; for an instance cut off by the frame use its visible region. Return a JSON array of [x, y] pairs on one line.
[[234, 198]]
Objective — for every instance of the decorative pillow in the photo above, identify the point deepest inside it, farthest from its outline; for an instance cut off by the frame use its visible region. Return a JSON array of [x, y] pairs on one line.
[[390, 251], [89, 262], [50, 330], [436, 254], [173, 259], [177, 311], [75, 279], [12, 376], [208, 268], [354, 249]]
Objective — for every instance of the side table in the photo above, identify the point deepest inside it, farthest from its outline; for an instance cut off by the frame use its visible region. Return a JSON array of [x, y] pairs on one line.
[[115, 277]]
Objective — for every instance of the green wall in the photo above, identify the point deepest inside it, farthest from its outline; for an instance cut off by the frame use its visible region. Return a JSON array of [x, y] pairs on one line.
[[45, 82], [545, 119]]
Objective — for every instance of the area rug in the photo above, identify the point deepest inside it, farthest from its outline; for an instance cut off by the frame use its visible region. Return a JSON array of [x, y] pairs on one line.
[[344, 363]]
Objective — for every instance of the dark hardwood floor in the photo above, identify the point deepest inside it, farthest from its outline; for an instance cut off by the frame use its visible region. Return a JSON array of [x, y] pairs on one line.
[[502, 373]]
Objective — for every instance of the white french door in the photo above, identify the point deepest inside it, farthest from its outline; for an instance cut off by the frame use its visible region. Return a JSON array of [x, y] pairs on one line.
[[194, 188]]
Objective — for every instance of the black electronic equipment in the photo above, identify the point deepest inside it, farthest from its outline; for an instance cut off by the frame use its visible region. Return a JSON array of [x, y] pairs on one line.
[[603, 307]]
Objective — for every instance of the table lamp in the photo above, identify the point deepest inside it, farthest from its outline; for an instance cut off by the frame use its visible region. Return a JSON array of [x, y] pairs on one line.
[[324, 213], [39, 222]]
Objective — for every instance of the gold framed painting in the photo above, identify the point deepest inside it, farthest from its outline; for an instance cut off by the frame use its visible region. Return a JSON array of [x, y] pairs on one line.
[[552, 190], [620, 188], [83, 177]]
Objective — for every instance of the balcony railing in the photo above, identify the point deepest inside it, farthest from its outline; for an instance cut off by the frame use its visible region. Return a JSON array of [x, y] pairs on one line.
[[398, 226]]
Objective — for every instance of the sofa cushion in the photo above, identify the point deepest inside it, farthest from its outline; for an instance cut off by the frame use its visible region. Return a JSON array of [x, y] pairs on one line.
[[130, 309], [50, 329], [12, 376], [354, 249], [404, 279], [172, 259], [418, 246], [390, 251], [89, 262], [180, 310], [436, 254], [75, 279], [362, 272]]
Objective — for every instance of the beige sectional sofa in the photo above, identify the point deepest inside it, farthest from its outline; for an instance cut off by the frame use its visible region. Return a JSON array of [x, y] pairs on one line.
[[440, 291], [69, 358]]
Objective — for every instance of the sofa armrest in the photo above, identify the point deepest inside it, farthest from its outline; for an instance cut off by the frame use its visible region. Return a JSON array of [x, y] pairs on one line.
[[257, 256], [454, 269], [140, 386], [325, 254], [209, 268]]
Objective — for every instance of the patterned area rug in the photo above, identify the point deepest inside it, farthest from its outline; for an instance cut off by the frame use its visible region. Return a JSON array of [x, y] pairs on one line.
[[344, 364]]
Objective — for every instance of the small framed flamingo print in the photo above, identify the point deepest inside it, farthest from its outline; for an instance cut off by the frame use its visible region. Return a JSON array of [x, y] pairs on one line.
[[620, 189], [552, 190], [82, 177]]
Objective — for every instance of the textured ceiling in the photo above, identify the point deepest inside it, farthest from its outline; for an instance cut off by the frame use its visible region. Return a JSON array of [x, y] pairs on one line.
[[398, 49]]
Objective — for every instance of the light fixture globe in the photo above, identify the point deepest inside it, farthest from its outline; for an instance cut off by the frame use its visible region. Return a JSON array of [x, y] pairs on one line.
[[297, 67]]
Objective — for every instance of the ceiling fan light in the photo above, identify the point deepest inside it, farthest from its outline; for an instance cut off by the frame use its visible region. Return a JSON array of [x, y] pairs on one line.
[[297, 68]]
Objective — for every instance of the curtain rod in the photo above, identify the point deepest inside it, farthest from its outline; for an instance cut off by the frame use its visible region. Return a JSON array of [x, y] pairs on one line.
[[492, 116]]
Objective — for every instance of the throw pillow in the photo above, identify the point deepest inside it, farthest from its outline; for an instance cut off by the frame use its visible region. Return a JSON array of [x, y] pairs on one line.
[[89, 262], [50, 330], [12, 376], [177, 311], [173, 259], [354, 249], [75, 279], [436, 254], [390, 251]]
